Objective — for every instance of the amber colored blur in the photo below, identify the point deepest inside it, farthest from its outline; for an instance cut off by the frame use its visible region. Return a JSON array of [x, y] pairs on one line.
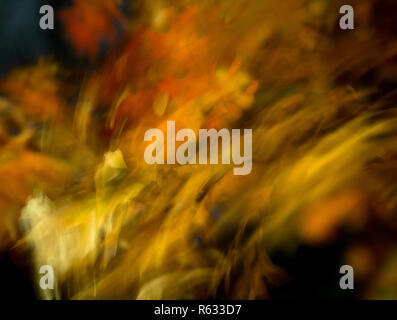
[[76, 194]]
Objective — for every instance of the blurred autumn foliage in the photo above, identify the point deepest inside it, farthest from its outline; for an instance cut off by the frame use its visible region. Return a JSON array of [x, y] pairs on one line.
[[77, 194], [87, 23]]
